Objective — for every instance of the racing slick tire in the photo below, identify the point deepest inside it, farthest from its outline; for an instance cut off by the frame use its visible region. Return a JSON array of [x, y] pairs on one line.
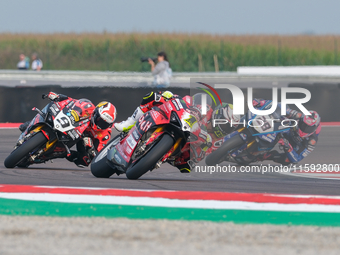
[[24, 150], [99, 166], [218, 155], [147, 162]]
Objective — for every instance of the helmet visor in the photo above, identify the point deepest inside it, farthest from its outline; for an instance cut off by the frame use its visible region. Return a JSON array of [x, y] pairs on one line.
[[306, 128], [100, 123]]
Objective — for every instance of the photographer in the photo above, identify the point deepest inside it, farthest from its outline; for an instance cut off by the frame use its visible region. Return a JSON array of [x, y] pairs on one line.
[[161, 71]]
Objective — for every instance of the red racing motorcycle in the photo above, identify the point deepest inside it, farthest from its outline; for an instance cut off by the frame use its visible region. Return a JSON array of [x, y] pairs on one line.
[[158, 136], [51, 133]]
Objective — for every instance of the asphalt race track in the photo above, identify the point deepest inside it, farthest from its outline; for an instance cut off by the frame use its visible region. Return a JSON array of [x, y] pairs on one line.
[[63, 173]]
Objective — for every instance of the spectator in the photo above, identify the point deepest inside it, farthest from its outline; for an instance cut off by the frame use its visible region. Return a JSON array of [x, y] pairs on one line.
[[24, 63], [162, 71], [37, 64]]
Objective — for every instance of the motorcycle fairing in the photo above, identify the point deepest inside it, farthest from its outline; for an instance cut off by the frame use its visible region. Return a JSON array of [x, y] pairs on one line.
[[171, 112], [77, 115]]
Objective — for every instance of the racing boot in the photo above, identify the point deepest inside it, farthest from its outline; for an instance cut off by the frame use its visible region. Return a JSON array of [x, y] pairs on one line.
[[187, 167], [126, 125]]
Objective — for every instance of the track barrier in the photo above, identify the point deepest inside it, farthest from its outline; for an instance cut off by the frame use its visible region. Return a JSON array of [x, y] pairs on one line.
[[16, 102]]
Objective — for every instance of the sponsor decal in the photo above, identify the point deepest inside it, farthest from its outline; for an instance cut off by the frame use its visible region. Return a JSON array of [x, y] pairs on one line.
[[293, 156], [128, 150], [54, 109], [305, 153], [117, 158], [70, 104], [75, 115], [169, 107], [271, 136], [179, 103], [155, 114], [264, 137], [176, 105], [135, 134], [71, 135], [191, 121], [131, 141], [243, 136], [145, 125]]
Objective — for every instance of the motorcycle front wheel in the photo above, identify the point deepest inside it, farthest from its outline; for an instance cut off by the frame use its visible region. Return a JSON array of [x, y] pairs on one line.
[[99, 167], [24, 150], [217, 156], [148, 161]]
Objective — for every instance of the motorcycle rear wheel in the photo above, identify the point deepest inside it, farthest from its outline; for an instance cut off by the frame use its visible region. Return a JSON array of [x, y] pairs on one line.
[[99, 167], [148, 161], [218, 155], [24, 150]]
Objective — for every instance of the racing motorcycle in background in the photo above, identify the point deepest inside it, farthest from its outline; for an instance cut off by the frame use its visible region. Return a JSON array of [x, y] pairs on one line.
[[158, 137], [246, 144], [51, 133]]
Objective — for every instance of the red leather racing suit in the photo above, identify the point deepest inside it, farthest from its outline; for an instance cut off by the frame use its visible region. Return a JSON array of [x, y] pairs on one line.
[[85, 151], [195, 149]]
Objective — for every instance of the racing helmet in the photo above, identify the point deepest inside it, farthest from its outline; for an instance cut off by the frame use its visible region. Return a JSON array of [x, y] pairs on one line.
[[258, 102], [103, 116], [167, 95], [308, 124], [224, 112]]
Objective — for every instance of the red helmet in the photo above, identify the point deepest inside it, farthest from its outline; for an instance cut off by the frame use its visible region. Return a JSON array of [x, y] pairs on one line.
[[103, 116], [258, 102], [308, 124]]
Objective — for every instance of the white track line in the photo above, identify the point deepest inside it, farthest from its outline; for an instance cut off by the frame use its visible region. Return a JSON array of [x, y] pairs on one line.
[[175, 203]]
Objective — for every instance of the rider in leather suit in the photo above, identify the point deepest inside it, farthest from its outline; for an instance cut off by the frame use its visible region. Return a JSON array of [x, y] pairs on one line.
[[208, 137], [300, 141], [98, 132]]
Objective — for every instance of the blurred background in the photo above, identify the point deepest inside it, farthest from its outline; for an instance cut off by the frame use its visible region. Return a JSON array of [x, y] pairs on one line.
[[198, 36], [83, 45]]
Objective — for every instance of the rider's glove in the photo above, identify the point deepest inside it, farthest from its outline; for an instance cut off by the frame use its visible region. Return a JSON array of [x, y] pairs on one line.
[[285, 145], [53, 96], [88, 143]]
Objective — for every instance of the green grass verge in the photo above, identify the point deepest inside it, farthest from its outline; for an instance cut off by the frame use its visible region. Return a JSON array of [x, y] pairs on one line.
[[37, 208]]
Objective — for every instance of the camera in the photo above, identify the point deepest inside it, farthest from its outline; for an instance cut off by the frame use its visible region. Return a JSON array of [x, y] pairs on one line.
[[143, 59]]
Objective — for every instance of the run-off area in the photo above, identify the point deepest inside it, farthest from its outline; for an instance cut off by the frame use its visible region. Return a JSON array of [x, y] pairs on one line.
[[54, 235]]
